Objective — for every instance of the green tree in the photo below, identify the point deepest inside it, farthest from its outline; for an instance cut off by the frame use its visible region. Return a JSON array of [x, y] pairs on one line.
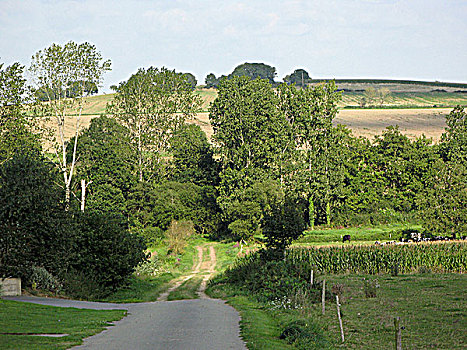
[[193, 157], [299, 77], [34, 228], [191, 80], [309, 113], [443, 204], [106, 165], [453, 145], [57, 70], [255, 70], [153, 104], [211, 81], [283, 223], [15, 129]]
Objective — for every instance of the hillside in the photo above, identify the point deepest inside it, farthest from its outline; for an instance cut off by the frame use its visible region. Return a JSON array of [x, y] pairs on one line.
[[410, 106]]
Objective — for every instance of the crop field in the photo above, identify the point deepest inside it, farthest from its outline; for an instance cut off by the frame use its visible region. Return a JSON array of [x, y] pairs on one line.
[[412, 111], [437, 257]]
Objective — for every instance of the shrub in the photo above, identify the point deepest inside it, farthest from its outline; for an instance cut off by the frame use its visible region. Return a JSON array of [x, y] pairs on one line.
[[106, 252], [177, 236], [149, 268], [370, 287], [34, 227], [41, 279], [304, 335]]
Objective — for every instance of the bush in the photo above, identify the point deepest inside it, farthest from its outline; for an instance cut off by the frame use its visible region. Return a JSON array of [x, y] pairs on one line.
[[106, 252], [150, 268], [41, 279], [304, 335], [177, 236], [34, 227], [271, 279]]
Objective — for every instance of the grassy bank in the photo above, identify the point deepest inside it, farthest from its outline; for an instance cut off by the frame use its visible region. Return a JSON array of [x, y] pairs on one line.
[[20, 318]]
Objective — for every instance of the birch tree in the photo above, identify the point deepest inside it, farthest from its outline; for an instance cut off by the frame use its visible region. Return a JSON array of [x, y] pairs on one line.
[[59, 72], [153, 104]]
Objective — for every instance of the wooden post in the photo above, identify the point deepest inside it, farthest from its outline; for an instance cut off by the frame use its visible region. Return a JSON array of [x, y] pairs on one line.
[[323, 297], [340, 319], [398, 333], [311, 277]]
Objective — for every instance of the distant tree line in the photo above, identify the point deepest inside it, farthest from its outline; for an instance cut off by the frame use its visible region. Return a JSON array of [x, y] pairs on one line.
[[299, 77]]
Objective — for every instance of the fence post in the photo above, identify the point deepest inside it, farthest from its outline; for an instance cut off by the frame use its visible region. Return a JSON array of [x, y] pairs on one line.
[[340, 319], [311, 277], [398, 333], [323, 297]]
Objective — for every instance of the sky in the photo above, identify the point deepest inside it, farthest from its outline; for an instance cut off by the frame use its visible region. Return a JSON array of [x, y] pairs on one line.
[[388, 39]]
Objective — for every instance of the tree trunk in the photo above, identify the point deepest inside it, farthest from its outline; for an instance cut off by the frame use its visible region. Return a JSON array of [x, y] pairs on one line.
[[83, 194]]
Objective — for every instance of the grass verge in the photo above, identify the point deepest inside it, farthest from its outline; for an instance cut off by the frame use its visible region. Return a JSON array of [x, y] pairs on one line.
[[18, 317], [259, 328]]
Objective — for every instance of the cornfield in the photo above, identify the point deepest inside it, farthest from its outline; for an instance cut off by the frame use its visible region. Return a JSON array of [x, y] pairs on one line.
[[438, 257]]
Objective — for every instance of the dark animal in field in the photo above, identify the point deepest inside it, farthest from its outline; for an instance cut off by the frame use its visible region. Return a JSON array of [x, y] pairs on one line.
[[346, 238]]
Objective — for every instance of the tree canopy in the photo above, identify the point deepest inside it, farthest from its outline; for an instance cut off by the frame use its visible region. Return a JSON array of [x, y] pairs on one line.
[[153, 104]]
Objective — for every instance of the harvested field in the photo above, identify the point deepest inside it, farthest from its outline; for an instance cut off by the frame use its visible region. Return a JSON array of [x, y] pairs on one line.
[[411, 122], [370, 122]]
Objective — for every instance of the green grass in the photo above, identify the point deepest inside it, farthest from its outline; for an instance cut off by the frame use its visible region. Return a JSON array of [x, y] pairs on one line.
[[187, 290], [260, 329], [141, 289], [17, 317], [432, 308], [226, 254]]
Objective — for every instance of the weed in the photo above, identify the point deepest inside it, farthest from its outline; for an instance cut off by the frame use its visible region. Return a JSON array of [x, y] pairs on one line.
[[369, 287]]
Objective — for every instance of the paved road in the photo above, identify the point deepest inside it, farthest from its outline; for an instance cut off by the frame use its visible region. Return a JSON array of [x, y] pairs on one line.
[[202, 324]]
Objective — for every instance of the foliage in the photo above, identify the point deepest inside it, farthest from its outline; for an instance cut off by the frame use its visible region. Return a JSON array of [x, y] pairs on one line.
[[453, 145], [34, 226], [153, 104], [190, 78], [193, 157], [211, 81], [268, 277], [299, 77], [255, 70], [177, 236], [58, 70], [106, 164], [106, 252], [283, 223], [443, 202], [313, 145], [304, 335], [15, 129], [151, 267], [246, 212], [41, 279]]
